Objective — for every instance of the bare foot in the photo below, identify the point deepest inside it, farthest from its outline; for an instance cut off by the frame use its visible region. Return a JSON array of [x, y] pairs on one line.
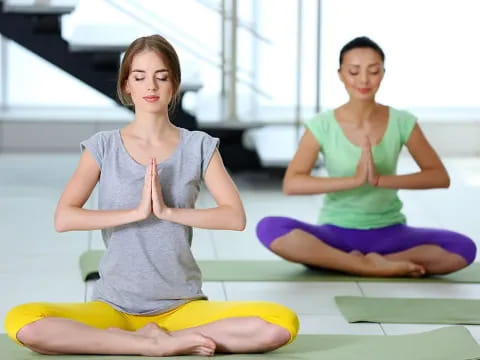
[[356, 253], [187, 344], [165, 344], [150, 330], [380, 266]]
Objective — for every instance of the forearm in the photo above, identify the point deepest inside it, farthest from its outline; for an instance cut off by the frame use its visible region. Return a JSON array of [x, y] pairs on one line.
[[308, 185], [74, 218], [223, 217], [426, 179]]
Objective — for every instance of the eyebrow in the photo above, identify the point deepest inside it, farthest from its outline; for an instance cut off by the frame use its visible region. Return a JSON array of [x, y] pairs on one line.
[[376, 64], [143, 71]]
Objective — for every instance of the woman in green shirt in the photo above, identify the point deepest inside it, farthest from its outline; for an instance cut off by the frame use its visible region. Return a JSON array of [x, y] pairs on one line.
[[362, 229]]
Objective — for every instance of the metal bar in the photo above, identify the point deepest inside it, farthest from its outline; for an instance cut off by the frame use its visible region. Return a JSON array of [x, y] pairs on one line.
[[250, 27], [255, 51], [298, 99], [4, 72], [232, 91], [318, 71], [3, 80], [222, 50]]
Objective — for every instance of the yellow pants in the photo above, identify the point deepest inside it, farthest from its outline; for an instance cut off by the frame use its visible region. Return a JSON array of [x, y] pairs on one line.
[[199, 312]]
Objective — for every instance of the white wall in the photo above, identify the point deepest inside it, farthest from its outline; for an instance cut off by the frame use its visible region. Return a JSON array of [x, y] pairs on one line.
[[430, 45], [432, 56]]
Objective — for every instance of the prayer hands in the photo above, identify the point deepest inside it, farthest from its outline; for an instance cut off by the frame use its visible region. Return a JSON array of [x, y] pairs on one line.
[[152, 198], [366, 171], [158, 205]]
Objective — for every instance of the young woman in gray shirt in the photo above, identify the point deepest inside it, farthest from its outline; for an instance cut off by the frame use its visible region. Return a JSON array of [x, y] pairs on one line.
[[148, 300]]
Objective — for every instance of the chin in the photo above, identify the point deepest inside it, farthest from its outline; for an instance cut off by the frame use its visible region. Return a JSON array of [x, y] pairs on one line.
[[368, 97], [154, 108]]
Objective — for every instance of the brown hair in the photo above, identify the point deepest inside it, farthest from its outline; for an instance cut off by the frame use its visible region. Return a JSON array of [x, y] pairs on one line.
[[168, 54]]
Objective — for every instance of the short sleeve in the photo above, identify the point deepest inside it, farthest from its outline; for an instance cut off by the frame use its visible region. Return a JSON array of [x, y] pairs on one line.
[[406, 123], [96, 146], [319, 126], [208, 146]]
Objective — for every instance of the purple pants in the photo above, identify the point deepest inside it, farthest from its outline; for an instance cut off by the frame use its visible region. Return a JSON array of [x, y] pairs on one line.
[[386, 240]]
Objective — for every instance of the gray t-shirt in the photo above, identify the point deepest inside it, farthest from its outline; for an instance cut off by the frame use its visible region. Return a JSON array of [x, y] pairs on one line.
[[148, 266]]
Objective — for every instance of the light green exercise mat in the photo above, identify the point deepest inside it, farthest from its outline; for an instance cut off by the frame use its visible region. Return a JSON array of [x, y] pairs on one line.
[[409, 311], [449, 343], [278, 270]]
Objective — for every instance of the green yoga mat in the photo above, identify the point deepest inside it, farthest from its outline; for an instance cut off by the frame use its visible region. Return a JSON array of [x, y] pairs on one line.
[[449, 343], [278, 270], [409, 311]]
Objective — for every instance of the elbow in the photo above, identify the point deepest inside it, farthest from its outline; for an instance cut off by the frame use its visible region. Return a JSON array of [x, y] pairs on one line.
[[239, 221], [287, 188], [443, 179], [446, 182], [60, 227], [59, 222], [240, 226]]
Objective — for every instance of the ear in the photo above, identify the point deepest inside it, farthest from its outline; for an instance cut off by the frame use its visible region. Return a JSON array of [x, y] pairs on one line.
[[126, 87]]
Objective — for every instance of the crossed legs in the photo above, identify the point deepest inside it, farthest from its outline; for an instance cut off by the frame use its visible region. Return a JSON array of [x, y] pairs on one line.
[[199, 327], [397, 250]]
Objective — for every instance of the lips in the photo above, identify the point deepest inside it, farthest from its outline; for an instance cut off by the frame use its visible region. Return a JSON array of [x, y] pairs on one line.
[[364, 90], [151, 98]]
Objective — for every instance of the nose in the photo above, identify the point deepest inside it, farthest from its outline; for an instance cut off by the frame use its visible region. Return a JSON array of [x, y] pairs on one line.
[[364, 77], [152, 85]]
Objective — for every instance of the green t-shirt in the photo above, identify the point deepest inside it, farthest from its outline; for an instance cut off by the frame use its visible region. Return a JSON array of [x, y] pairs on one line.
[[364, 207]]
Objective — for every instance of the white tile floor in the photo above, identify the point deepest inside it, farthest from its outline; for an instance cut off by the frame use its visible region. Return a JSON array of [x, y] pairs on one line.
[[38, 264]]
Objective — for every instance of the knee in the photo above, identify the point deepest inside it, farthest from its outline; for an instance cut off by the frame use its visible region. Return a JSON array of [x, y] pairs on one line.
[[30, 335], [20, 323], [471, 250], [465, 247], [267, 230], [282, 323], [265, 226]]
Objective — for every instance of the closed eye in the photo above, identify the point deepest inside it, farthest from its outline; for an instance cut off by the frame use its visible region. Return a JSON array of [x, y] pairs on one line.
[[160, 79]]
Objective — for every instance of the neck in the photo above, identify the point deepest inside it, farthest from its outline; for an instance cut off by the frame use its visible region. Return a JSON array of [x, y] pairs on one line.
[[151, 127], [362, 110]]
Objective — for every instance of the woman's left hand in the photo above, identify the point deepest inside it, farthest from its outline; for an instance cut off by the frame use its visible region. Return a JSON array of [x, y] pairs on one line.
[[158, 205], [373, 176]]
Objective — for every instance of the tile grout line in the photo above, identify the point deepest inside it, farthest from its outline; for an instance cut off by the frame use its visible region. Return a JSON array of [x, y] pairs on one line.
[[224, 289], [212, 241], [363, 294]]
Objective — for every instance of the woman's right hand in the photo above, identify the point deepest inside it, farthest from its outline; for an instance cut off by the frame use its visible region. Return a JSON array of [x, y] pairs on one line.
[[144, 209], [361, 174]]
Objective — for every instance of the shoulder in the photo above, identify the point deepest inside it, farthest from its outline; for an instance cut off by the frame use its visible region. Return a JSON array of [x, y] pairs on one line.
[[197, 137], [323, 119], [99, 143], [103, 137], [200, 146], [401, 115], [404, 122], [321, 124]]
